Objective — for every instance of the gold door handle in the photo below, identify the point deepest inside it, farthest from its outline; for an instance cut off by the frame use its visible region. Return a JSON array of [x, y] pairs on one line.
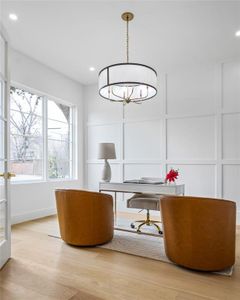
[[7, 175]]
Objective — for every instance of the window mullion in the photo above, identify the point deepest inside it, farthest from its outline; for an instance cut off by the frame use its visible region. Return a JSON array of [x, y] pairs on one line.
[[45, 138]]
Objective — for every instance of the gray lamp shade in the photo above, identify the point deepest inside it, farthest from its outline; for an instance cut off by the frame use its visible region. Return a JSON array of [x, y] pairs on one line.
[[106, 151]]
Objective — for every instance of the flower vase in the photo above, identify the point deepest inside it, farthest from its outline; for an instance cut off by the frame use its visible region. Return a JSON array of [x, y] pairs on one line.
[[171, 182]]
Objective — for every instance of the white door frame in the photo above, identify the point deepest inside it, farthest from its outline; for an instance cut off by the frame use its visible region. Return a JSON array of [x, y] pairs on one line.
[[5, 244]]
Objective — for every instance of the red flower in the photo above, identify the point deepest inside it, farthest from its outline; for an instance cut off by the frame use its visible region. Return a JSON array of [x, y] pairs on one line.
[[172, 175]]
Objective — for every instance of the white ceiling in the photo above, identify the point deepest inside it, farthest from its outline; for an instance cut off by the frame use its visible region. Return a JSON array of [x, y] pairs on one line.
[[71, 36]]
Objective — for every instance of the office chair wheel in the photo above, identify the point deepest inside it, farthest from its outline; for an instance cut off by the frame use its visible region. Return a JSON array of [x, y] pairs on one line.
[[160, 232], [132, 225]]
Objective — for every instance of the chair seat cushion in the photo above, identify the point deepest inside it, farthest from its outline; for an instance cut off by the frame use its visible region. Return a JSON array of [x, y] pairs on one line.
[[144, 201]]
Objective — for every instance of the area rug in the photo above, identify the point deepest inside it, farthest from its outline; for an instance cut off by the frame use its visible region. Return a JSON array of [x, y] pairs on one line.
[[144, 245]]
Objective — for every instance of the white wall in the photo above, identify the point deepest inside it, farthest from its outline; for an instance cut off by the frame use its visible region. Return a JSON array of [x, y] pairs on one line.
[[35, 200], [193, 124]]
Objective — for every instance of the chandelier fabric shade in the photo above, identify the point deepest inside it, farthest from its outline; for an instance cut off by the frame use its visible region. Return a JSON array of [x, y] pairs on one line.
[[128, 82]]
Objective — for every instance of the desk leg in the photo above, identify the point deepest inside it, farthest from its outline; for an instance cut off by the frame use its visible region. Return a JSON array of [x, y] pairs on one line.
[[115, 208]]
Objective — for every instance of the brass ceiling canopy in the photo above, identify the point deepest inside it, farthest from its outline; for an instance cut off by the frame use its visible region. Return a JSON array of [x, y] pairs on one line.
[[127, 16]]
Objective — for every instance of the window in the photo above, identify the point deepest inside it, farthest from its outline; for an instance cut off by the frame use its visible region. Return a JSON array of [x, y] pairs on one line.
[[40, 137]]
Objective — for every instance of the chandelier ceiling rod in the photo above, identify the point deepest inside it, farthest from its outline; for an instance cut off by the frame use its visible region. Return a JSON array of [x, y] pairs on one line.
[[127, 16]]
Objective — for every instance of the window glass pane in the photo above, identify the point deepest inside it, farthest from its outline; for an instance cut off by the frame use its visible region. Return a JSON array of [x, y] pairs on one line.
[[26, 158], [26, 139], [58, 150], [58, 130], [59, 147], [28, 170], [25, 148], [25, 102], [59, 169], [25, 124], [59, 112]]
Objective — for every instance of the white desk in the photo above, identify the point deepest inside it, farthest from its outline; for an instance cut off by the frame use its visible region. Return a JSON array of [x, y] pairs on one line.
[[161, 189]]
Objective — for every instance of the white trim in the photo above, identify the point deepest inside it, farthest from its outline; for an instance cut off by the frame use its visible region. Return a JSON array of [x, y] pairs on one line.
[[36, 214], [23, 182], [41, 93]]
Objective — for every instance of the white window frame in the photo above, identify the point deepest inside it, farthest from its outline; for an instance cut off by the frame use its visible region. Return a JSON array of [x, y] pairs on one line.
[[72, 136]]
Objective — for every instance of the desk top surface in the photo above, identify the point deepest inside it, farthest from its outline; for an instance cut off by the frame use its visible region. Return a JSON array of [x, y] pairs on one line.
[[142, 187]]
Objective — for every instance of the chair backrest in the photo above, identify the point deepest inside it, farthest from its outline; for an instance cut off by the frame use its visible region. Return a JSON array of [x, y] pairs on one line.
[[84, 217], [199, 233]]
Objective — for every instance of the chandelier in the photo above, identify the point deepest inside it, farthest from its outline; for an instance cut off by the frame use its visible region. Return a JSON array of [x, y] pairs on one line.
[[127, 82]]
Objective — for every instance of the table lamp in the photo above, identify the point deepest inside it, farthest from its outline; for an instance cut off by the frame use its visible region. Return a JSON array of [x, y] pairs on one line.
[[106, 151]]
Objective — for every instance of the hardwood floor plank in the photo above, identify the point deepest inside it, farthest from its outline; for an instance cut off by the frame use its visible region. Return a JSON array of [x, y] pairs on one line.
[[46, 268]]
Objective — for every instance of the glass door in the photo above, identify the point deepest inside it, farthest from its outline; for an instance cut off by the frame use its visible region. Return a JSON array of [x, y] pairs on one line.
[[5, 226]]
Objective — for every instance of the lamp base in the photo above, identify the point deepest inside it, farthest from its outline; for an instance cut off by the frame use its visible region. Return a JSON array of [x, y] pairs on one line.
[[106, 173]]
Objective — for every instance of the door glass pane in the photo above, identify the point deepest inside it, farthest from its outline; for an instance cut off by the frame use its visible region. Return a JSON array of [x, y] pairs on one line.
[[2, 123], [2, 204], [2, 182], [2, 221], [1, 98], [2, 56]]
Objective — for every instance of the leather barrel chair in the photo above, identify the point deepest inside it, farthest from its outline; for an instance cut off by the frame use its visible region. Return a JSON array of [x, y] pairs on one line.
[[85, 218], [199, 233]]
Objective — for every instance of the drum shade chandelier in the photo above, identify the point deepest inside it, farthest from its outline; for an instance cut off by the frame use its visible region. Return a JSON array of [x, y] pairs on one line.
[[127, 82]]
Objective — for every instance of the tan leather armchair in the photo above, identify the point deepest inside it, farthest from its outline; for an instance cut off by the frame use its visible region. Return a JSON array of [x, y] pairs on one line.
[[85, 218], [199, 233]]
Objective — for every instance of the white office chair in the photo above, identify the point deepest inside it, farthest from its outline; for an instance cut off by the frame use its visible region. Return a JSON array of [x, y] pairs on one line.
[[148, 202]]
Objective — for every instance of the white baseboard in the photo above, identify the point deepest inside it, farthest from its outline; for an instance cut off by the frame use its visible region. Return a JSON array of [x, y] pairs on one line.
[[33, 215]]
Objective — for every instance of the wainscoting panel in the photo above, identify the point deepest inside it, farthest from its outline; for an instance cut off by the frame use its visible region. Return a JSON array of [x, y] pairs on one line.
[[103, 134], [191, 138], [231, 135], [191, 91], [143, 170], [143, 140], [231, 186], [198, 179]]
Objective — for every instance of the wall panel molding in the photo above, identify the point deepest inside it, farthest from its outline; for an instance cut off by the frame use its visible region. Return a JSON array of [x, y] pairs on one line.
[[206, 129]]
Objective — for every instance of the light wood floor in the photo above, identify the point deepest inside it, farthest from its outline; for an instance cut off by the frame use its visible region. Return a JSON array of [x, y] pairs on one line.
[[45, 268]]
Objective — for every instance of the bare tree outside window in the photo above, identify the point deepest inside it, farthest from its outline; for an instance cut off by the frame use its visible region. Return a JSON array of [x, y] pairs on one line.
[[26, 133], [28, 139]]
